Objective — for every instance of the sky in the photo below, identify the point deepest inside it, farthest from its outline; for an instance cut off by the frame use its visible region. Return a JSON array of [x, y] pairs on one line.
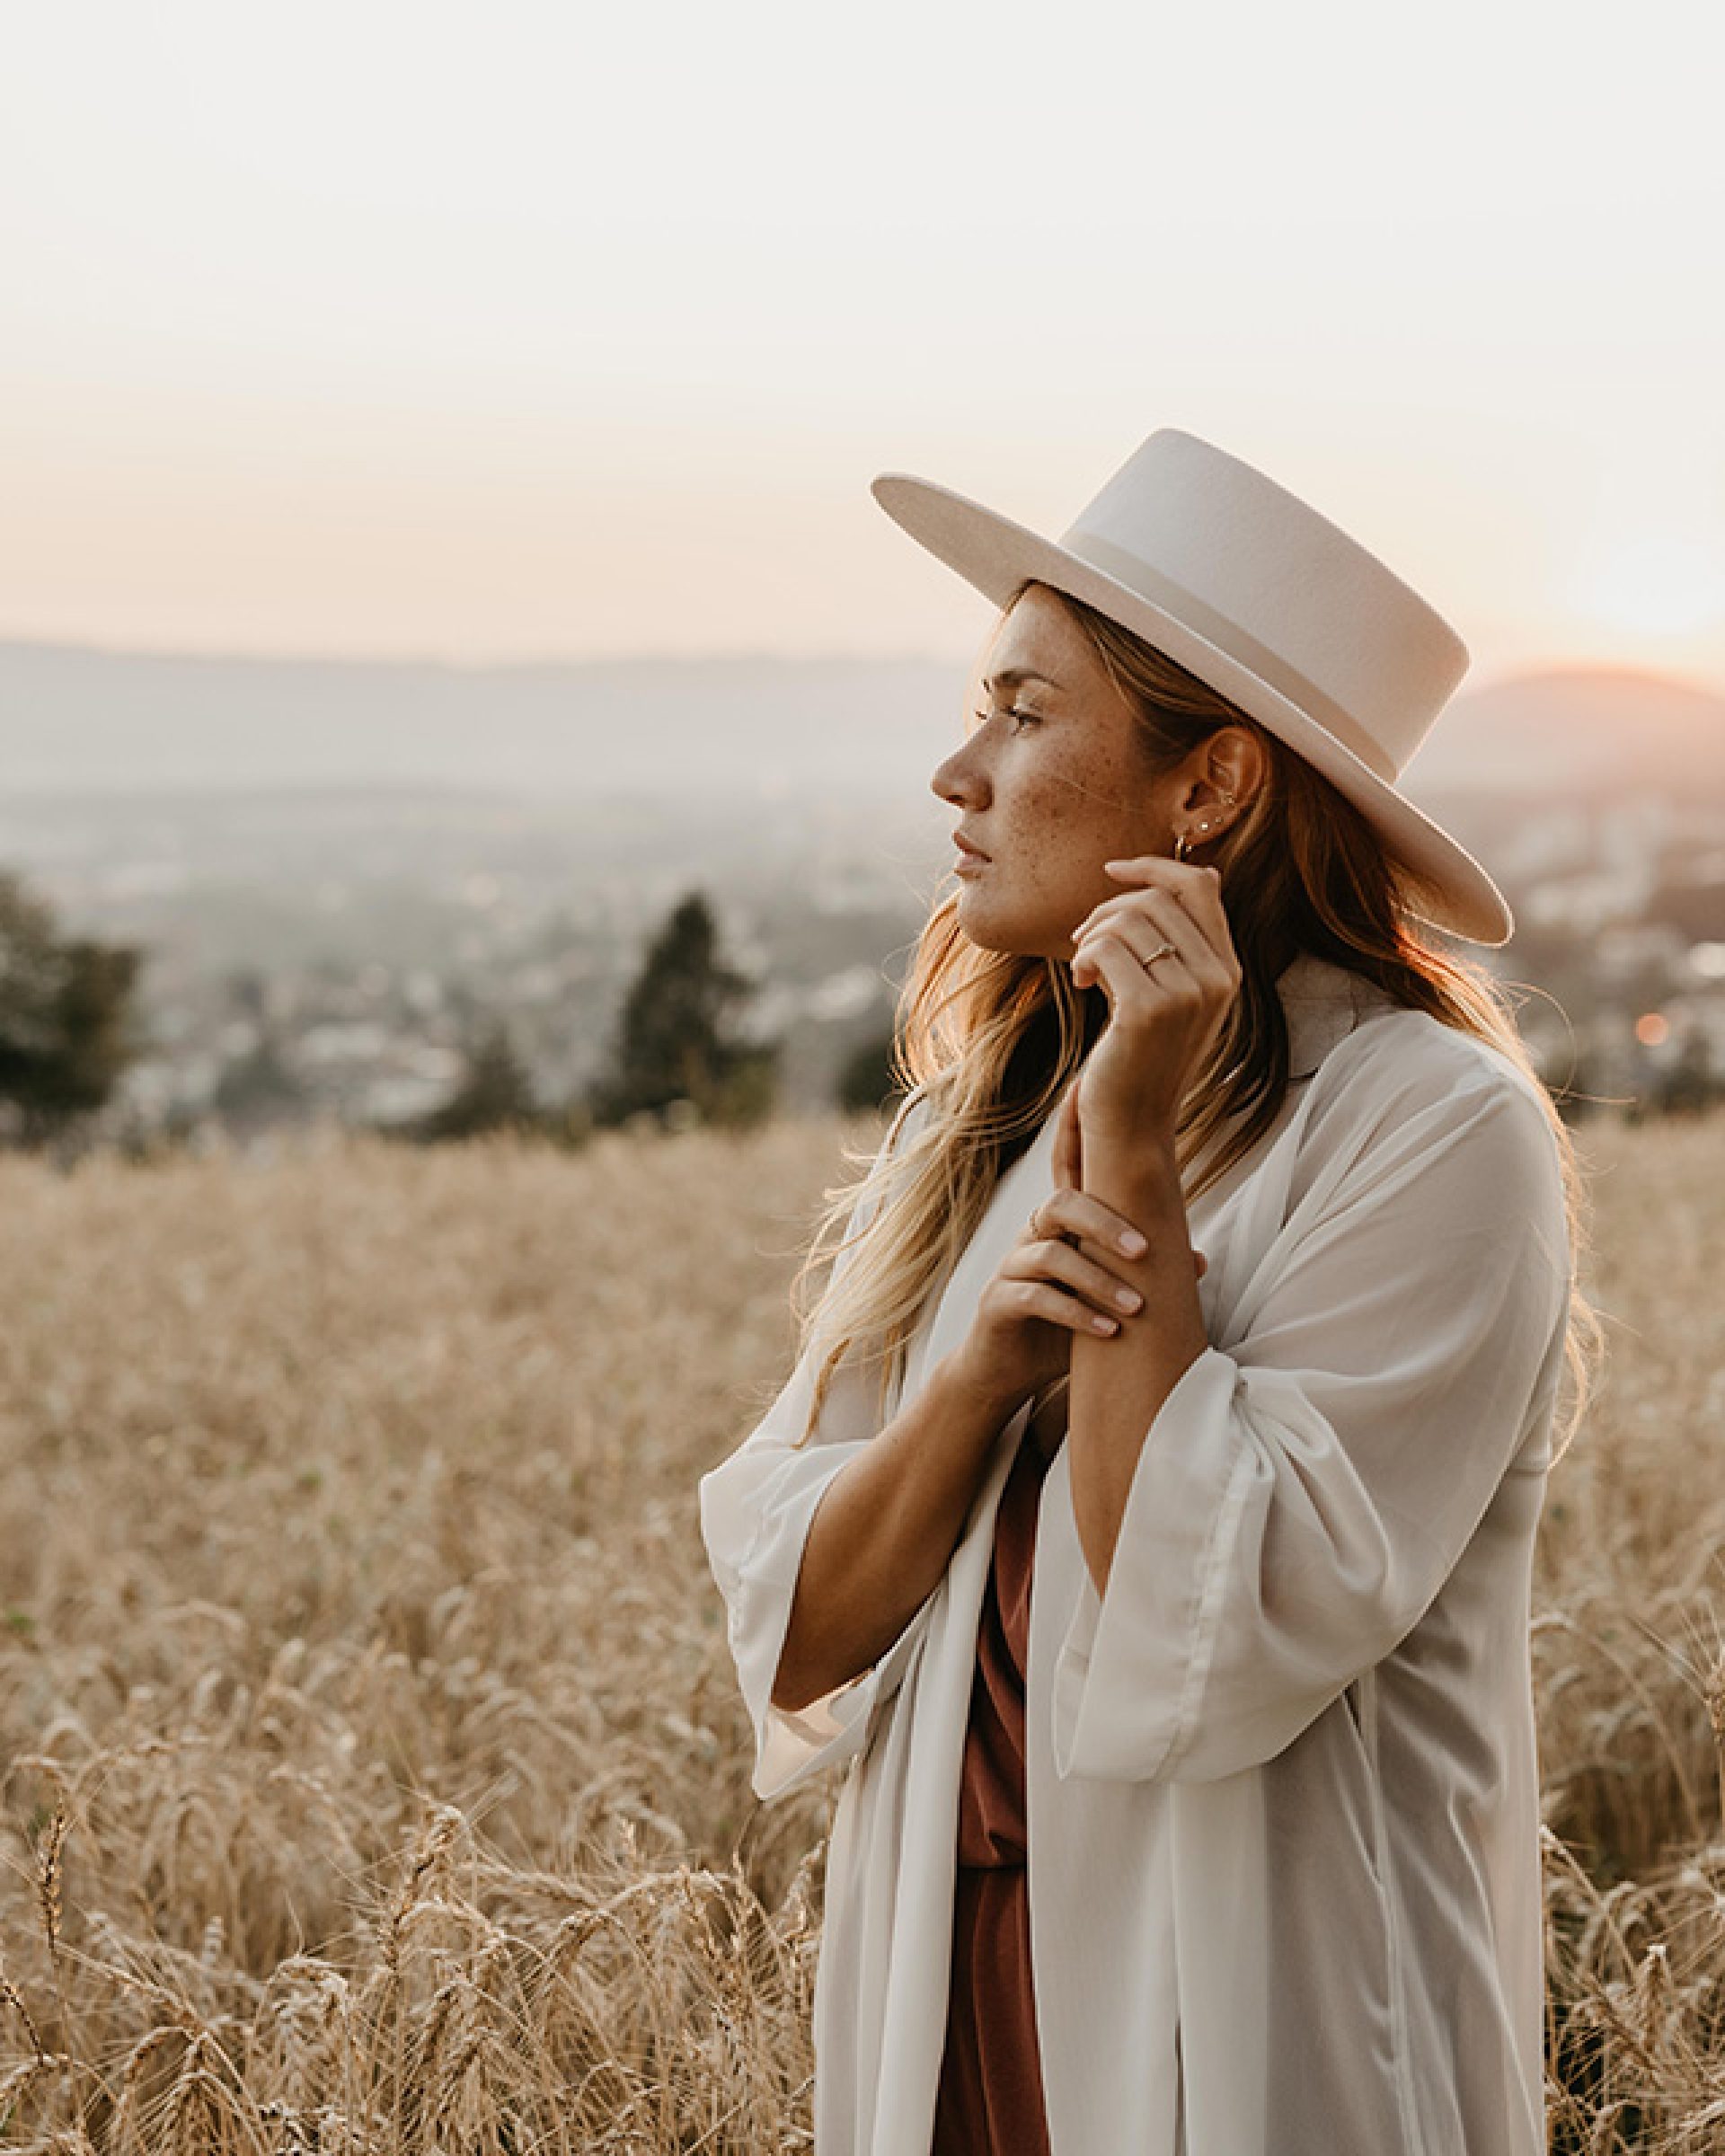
[[525, 331]]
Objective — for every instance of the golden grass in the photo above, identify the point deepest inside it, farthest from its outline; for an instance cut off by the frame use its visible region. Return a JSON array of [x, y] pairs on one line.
[[375, 1775]]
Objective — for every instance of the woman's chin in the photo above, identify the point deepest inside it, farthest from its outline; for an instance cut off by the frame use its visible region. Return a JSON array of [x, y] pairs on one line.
[[978, 929], [990, 927]]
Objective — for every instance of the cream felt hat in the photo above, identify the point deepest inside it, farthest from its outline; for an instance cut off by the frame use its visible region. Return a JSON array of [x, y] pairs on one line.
[[1245, 585]]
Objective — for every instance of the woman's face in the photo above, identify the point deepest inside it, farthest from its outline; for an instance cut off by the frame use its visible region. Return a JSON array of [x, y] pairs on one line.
[[1049, 784]]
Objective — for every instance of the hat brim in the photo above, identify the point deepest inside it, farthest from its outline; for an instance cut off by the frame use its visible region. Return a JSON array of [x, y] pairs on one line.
[[1448, 887]]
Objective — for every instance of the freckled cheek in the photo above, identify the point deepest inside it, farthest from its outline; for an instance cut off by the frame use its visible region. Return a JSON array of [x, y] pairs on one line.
[[1084, 816], [1057, 842], [1042, 823], [1048, 807]]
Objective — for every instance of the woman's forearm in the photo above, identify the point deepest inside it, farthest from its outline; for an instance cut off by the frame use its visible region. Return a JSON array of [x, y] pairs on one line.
[[1120, 1382], [883, 1532]]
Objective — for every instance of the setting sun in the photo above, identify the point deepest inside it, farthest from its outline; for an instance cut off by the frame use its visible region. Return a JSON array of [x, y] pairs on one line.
[[1656, 584]]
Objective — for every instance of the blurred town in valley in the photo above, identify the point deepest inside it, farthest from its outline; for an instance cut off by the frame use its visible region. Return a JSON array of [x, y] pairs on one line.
[[364, 893]]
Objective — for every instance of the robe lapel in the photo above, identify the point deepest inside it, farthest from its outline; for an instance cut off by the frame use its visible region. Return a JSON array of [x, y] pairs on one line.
[[1024, 1185], [1215, 1846], [943, 1635]]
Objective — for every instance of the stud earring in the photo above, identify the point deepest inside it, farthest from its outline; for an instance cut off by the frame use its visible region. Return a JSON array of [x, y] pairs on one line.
[[1183, 844]]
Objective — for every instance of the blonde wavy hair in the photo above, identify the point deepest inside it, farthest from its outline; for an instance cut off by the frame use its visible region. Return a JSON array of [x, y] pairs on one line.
[[990, 1040]]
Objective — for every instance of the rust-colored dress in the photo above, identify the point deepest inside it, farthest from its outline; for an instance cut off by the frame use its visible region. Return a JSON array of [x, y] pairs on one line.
[[989, 2100]]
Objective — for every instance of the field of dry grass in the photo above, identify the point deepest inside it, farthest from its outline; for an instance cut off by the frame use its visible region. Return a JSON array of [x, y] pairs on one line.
[[374, 1774]]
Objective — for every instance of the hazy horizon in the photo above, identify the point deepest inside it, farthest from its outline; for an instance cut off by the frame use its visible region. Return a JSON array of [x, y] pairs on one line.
[[80, 721]]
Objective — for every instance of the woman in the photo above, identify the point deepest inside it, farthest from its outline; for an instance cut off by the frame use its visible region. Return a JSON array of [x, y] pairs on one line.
[[1224, 1838]]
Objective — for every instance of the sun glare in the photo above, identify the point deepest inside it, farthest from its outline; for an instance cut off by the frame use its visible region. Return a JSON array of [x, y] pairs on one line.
[[1656, 584]]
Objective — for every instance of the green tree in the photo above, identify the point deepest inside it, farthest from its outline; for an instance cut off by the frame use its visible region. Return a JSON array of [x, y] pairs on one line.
[[865, 1078], [66, 1013], [259, 1088], [495, 1092], [674, 1039], [1691, 1083]]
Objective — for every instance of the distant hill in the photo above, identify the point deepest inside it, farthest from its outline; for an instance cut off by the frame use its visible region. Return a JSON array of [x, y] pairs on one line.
[[76, 721], [1580, 731]]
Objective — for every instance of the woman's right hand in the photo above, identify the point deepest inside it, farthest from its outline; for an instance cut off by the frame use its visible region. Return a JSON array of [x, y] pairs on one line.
[[1055, 1278]]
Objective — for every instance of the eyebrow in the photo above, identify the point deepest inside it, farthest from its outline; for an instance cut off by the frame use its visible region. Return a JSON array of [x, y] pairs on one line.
[[1010, 676]]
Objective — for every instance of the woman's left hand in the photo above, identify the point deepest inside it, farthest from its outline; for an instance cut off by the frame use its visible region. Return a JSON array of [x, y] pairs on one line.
[[1162, 1017]]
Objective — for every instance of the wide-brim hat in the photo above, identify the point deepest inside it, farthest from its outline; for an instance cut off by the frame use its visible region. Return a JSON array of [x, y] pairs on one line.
[[1252, 591]]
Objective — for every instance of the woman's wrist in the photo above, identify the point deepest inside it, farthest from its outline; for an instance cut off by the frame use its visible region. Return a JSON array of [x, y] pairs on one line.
[[974, 1394], [1138, 1176], [1119, 1386]]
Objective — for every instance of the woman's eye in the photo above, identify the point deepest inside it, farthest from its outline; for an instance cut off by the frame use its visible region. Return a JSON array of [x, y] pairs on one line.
[[1026, 718]]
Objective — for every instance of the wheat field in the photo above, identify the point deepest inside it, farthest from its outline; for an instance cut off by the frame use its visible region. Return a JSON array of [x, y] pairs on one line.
[[375, 1777]]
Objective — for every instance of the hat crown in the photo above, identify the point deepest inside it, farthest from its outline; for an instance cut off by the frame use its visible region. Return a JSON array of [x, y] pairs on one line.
[[1269, 578]]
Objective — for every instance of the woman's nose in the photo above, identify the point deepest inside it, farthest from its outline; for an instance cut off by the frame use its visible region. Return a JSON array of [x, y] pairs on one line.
[[957, 779]]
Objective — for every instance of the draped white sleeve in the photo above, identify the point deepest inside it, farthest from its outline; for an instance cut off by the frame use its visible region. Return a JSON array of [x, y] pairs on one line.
[[756, 1510], [1311, 1481]]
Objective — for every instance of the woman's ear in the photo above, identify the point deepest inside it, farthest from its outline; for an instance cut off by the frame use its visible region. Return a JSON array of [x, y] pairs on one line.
[[1233, 772]]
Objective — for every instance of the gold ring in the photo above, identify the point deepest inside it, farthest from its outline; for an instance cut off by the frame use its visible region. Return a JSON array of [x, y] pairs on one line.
[[1163, 950]]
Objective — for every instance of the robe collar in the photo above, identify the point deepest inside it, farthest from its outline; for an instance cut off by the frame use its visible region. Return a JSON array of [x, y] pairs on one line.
[[1321, 1002]]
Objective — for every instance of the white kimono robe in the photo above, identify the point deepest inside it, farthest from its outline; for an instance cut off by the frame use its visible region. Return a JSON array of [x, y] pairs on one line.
[[1281, 1782]]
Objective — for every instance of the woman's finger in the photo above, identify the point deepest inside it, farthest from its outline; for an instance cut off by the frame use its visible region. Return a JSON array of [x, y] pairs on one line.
[[1075, 1211], [1068, 1143], [1196, 889], [1195, 893], [1021, 1295], [1158, 918], [1129, 982], [1063, 1265]]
